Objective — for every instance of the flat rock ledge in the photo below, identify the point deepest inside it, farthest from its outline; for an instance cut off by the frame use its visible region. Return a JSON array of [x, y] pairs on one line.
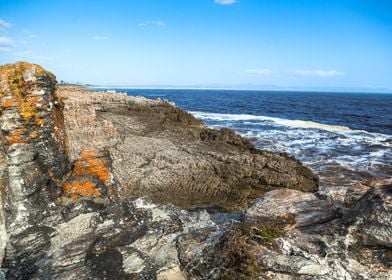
[[105, 186], [160, 151]]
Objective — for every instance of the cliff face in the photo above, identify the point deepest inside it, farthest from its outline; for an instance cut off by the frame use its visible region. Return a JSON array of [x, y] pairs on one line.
[[84, 178], [34, 159]]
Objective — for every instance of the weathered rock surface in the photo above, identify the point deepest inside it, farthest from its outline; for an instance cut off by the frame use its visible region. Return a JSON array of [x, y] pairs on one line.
[[164, 153], [372, 218], [75, 169], [288, 234], [34, 161], [303, 208], [346, 186]]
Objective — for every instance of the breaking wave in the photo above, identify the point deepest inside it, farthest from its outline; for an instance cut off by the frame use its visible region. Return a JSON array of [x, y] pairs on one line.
[[278, 121], [317, 145]]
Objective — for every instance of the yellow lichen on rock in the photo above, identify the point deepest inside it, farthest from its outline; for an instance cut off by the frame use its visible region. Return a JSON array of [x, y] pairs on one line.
[[33, 135], [15, 76]]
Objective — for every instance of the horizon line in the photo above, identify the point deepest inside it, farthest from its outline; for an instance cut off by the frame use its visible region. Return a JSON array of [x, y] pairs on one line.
[[289, 89]]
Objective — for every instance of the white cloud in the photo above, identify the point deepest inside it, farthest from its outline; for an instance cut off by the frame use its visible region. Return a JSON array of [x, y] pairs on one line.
[[4, 24], [263, 71], [152, 22], [225, 2], [29, 55], [4, 49], [5, 41], [29, 34], [318, 73], [100, 38]]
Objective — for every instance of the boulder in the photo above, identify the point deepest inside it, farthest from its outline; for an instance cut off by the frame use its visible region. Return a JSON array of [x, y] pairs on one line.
[[303, 209]]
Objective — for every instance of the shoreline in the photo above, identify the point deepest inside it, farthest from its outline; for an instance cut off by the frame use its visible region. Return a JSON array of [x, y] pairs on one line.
[[110, 184]]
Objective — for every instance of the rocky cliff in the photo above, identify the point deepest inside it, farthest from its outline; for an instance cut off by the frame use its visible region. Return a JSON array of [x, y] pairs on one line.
[[160, 151], [105, 186]]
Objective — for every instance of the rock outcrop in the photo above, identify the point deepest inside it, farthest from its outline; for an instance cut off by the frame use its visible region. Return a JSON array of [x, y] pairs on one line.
[[34, 161], [163, 152], [288, 234], [105, 186]]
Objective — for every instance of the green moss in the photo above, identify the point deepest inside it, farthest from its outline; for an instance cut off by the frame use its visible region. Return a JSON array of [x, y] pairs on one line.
[[266, 233]]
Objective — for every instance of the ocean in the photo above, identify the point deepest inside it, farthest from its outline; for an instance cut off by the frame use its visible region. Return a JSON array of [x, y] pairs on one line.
[[344, 137]]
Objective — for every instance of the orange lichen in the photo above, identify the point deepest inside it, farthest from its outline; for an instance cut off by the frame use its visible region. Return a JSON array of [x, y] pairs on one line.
[[6, 103], [91, 163], [88, 171], [20, 90], [15, 137], [83, 187]]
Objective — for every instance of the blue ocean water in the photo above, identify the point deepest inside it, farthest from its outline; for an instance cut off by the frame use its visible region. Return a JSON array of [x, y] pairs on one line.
[[327, 131]]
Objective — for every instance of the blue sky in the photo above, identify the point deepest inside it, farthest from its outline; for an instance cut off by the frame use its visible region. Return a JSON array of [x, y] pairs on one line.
[[222, 43]]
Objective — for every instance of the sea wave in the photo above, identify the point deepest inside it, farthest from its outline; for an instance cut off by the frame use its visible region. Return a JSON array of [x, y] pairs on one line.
[[278, 121], [319, 146]]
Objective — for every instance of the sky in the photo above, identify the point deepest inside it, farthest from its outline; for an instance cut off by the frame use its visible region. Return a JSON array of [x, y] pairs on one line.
[[319, 44]]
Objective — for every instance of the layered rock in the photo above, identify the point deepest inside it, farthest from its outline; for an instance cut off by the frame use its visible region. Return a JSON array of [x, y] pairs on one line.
[[34, 160], [288, 234], [65, 215], [71, 190], [36, 175], [162, 152]]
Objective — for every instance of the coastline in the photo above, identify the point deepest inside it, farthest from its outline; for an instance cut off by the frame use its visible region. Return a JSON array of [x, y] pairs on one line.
[[127, 186], [359, 157]]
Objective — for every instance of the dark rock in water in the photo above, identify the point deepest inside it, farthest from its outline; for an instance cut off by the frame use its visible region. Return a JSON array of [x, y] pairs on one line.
[[83, 179]]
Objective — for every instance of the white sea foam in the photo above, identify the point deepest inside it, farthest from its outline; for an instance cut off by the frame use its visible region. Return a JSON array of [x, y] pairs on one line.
[[316, 145], [279, 121], [283, 122]]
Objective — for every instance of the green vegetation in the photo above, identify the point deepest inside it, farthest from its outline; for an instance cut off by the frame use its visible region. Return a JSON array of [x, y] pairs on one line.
[[240, 248]]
